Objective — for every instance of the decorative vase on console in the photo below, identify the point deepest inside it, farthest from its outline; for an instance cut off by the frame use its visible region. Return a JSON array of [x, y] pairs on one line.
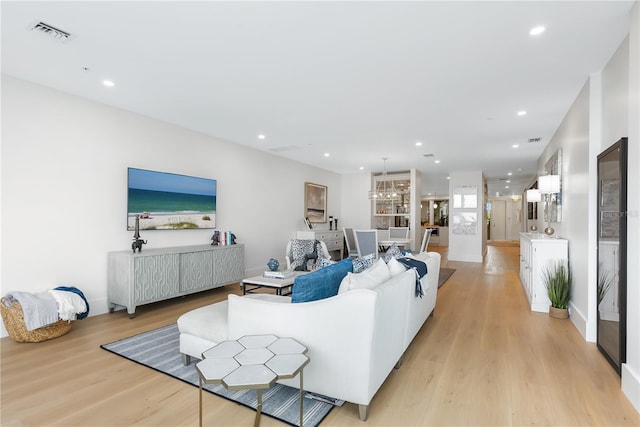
[[330, 223], [273, 264]]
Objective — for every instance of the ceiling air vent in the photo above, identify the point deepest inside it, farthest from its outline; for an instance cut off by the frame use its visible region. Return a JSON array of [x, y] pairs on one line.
[[537, 139], [428, 155], [52, 32], [285, 148]]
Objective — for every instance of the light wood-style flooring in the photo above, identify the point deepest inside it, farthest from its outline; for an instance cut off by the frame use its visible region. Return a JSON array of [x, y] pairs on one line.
[[484, 359]]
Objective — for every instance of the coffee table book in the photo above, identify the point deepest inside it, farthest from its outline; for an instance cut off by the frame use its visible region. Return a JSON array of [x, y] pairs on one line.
[[278, 274]]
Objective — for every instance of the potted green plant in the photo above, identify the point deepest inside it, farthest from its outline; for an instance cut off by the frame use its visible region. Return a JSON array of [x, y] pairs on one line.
[[558, 281]]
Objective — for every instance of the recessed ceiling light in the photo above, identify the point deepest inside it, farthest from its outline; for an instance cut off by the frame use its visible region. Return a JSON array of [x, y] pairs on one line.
[[108, 83], [509, 173], [448, 177], [418, 144], [361, 168], [508, 181], [515, 146], [522, 113], [506, 186], [261, 136], [436, 161], [327, 154], [537, 30]]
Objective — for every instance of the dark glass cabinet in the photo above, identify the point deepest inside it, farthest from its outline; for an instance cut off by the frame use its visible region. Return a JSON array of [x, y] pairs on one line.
[[612, 253]]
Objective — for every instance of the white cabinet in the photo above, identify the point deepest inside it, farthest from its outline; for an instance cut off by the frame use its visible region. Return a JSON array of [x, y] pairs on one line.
[[152, 275], [538, 253], [332, 238], [391, 198]]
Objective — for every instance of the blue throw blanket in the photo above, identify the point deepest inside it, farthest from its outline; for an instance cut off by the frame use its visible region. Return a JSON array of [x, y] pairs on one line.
[[419, 267]]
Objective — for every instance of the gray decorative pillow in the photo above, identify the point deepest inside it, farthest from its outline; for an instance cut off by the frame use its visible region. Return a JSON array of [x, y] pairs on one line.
[[393, 252], [362, 263]]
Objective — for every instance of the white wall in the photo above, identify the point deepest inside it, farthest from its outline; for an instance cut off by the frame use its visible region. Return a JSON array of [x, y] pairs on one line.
[[606, 109], [572, 136], [631, 369], [356, 206], [64, 180]]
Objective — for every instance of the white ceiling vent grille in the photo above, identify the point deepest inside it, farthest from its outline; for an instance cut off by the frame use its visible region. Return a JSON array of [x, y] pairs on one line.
[[51, 31], [537, 139]]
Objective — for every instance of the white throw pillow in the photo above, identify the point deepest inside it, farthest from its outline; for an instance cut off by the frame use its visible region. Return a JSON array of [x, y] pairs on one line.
[[395, 267], [344, 284], [371, 278]]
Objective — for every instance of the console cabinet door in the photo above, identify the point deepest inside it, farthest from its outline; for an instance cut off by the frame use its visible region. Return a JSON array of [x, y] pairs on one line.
[[196, 271], [155, 277], [228, 265]]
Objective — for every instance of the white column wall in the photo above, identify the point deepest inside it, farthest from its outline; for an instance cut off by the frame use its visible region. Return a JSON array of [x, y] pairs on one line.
[[356, 206], [631, 369]]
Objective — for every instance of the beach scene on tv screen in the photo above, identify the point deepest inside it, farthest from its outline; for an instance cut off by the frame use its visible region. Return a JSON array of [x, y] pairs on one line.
[[166, 201]]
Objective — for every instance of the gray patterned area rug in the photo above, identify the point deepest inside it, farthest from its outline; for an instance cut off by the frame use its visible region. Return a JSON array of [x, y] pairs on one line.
[[445, 273], [159, 349]]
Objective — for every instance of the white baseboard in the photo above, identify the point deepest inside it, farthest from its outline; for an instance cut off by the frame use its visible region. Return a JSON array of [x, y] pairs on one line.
[[631, 385], [580, 322]]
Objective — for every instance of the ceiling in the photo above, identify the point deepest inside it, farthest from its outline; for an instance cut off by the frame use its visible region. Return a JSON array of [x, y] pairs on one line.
[[356, 80]]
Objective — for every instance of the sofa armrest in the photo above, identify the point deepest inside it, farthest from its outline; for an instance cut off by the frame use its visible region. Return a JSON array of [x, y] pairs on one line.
[[338, 333]]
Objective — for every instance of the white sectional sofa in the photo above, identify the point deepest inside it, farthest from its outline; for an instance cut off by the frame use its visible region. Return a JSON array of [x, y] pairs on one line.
[[354, 338]]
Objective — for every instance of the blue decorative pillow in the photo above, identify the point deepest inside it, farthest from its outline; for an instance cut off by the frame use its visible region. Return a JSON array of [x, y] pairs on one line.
[[393, 252], [362, 263], [322, 283]]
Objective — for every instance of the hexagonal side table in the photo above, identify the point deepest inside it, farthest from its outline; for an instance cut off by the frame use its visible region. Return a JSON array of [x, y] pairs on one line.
[[253, 362]]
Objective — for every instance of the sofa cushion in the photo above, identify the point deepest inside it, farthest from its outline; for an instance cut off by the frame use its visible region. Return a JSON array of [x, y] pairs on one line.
[[371, 278], [208, 322], [395, 267], [321, 283]]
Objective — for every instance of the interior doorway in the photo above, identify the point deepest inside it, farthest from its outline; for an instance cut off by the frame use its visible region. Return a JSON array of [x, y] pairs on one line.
[[498, 220]]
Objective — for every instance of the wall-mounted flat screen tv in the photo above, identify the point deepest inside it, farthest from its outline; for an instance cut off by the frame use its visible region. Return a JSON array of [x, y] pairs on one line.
[[167, 201]]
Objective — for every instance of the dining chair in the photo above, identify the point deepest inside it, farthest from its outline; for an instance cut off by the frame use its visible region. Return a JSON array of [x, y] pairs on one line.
[[398, 233], [350, 238], [425, 240], [366, 242]]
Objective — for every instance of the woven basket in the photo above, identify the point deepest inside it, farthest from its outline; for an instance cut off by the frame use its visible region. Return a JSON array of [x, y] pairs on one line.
[[13, 319]]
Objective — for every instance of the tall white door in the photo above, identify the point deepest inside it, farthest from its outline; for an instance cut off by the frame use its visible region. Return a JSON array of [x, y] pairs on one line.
[[498, 220]]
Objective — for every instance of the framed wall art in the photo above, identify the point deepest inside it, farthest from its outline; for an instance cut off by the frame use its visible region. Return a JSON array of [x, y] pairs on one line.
[[465, 197], [315, 202]]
